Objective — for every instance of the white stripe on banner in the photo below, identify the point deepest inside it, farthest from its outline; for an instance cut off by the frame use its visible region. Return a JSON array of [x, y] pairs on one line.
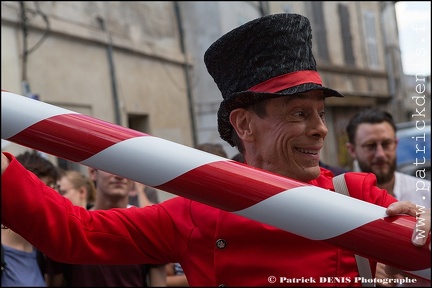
[[160, 161], [11, 106], [329, 213]]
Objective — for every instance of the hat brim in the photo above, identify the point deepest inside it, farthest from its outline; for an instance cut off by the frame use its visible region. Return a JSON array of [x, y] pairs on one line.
[[246, 98]]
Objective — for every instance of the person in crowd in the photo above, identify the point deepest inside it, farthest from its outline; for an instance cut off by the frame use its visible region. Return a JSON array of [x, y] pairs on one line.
[[77, 187], [23, 264], [81, 191], [273, 112], [372, 142], [111, 191]]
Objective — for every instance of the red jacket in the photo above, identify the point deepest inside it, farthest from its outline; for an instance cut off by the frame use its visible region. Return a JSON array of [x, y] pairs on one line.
[[214, 247]]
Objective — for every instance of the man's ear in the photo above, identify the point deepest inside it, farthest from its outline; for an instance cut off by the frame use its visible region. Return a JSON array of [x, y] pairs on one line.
[[240, 120], [351, 149]]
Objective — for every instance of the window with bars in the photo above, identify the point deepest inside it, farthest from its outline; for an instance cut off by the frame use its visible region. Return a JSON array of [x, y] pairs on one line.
[[347, 39], [320, 32], [370, 38]]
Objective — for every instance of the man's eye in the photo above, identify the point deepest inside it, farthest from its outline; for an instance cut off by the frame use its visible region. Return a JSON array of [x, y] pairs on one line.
[[322, 115]]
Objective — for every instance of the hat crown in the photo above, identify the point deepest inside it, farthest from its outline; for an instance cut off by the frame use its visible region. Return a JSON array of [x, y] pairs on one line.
[[265, 58], [259, 50]]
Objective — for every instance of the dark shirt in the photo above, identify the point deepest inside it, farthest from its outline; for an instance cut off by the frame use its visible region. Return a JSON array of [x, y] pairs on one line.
[[78, 275], [335, 170]]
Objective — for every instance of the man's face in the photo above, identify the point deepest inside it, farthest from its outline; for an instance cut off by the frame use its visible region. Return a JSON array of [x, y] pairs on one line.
[[109, 185], [375, 150], [289, 139]]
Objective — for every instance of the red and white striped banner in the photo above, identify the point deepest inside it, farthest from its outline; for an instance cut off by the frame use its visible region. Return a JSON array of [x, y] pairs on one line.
[[290, 205]]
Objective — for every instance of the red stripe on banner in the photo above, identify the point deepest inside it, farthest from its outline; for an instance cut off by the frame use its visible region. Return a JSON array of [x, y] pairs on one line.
[[75, 137], [364, 238], [203, 184]]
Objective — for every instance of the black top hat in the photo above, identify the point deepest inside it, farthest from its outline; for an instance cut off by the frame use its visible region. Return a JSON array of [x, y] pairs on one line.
[[267, 57]]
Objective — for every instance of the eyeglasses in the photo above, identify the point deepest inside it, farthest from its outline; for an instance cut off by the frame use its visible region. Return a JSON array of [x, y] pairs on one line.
[[387, 145]]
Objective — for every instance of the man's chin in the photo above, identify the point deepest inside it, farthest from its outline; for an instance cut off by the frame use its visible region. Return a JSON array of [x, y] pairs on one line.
[[311, 173], [383, 178]]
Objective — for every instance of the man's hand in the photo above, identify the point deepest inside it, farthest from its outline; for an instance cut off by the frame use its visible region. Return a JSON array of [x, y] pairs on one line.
[[419, 237], [422, 230], [5, 163]]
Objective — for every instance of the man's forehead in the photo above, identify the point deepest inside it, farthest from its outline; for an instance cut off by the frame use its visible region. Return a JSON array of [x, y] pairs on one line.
[[374, 131]]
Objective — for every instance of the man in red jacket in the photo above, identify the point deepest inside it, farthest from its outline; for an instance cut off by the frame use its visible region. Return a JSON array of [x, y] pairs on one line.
[[273, 112]]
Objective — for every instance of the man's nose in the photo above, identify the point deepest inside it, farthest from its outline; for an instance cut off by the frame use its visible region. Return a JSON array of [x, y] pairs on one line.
[[379, 150]]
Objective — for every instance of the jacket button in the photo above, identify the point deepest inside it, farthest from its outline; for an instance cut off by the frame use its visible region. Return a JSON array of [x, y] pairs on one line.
[[221, 244]]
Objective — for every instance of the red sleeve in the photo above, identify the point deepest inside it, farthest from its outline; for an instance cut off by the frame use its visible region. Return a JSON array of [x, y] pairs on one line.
[[363, 186], [71, 234]]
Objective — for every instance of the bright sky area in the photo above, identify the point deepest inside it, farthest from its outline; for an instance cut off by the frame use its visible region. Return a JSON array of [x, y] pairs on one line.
[[414, 23]]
